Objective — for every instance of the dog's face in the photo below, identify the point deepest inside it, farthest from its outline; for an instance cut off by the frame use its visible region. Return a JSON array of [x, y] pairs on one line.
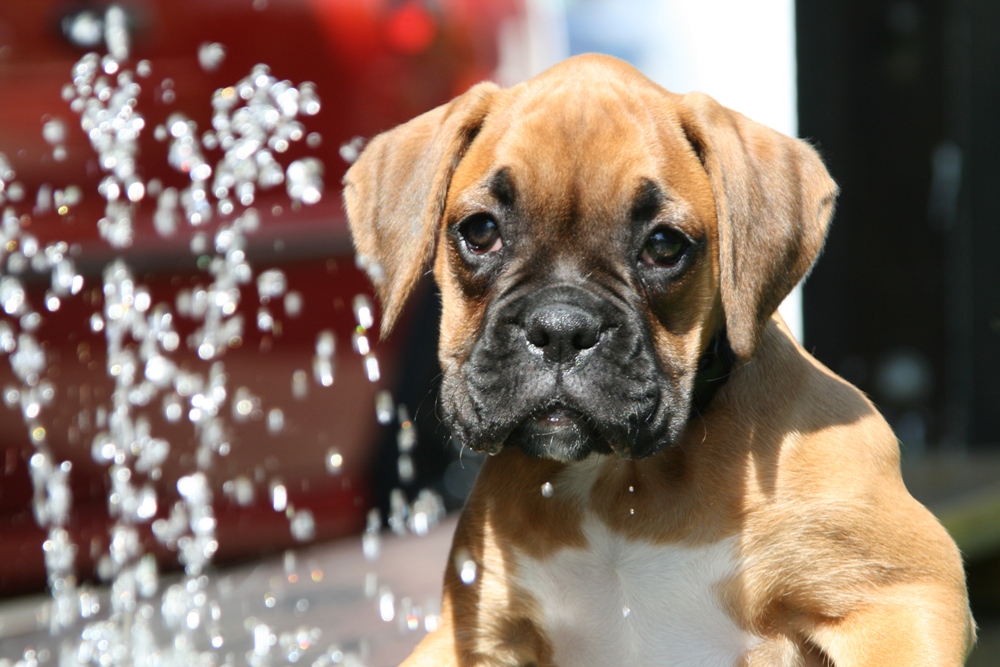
[[579, 277], [590, 234]]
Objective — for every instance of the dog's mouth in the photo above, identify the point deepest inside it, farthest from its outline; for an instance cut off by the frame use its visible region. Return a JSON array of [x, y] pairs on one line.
[[557, 418], [559, 432]]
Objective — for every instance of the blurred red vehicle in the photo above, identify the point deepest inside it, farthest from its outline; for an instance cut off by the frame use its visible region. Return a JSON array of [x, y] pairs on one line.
[[375, 63]]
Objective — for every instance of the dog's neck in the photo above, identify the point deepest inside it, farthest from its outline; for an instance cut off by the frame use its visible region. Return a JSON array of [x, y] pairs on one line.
[[714, 368]]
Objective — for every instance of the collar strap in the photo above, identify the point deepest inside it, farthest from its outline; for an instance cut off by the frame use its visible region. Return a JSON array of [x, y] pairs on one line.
[[714, 368]]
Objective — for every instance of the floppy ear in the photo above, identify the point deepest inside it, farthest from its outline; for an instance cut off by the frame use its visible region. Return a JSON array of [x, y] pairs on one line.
[[395, 194], [774, 200]]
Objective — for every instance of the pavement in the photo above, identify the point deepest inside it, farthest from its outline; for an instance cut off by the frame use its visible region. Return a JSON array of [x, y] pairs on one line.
[[319, 605]]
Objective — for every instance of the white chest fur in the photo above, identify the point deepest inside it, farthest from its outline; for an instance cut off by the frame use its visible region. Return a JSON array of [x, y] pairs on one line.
[[632, 603]]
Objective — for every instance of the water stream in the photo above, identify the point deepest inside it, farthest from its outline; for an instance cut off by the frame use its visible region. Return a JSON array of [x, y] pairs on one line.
[[142, 618]]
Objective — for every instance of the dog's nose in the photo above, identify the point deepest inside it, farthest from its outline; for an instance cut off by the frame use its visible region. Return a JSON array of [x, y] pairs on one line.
[[561, 331]]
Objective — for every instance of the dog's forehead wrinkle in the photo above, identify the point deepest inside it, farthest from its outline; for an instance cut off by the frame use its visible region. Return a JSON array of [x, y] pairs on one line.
[[648, 200], [577, 117], [501, 186]]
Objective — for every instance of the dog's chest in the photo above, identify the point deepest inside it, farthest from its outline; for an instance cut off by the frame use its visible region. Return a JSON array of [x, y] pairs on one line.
[[632, 603]]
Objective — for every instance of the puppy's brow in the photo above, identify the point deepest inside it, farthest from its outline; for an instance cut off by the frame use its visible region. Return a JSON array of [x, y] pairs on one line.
[[501, 186], [648, 201]]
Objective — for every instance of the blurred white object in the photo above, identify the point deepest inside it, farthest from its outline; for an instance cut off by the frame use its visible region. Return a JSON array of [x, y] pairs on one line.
[[532, 43]]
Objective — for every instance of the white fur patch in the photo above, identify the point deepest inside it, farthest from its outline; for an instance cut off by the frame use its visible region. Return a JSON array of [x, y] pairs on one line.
[[620, 602]]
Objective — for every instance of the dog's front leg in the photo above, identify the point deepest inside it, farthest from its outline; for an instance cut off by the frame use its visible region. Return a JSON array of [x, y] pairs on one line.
[[917, 625], [439, 649], [461, 640], [436, 650]]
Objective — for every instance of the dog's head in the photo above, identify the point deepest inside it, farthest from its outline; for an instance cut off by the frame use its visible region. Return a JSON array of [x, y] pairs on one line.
[[591, 233]]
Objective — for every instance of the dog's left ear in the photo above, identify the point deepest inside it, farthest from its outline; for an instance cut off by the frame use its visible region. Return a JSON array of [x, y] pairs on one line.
[[395, 194], [774, 200]]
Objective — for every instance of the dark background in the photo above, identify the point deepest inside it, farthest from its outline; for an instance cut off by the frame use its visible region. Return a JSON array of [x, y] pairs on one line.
[[902, 99], [910, 280]]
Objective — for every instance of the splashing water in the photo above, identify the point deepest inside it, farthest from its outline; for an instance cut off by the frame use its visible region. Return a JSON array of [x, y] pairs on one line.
[[254, 120], [254, 123]]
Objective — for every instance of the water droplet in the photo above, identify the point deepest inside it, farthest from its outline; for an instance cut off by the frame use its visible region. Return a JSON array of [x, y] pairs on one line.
[[52, 302], [85, 29], [159, 370], [361, 345], [271, 284], [293, 304], [15, 192], [11, 295], [275, 420], [211, 55], [325, 343], [334, 461], [405, 467], [300, 384], [386, 604], [350, 151], [147, 505], [371, 541], [279, 496], [406, 437], [8, 344], [135, 191], [363, 311], [383, 407], [303, 526], [547, 489], [265, 321], [465, 566], [116, 36], [304, 180], [194, 488], [323, 371], [54, 131], [372, 368], [173, 409], [309, 99], [241, 490], [626, 612]]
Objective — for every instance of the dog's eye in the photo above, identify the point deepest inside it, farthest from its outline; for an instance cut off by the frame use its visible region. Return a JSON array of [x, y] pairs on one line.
[[481, 234], [664, 247]]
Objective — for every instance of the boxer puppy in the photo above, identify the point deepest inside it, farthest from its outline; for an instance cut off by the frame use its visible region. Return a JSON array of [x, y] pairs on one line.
[[673, 479]]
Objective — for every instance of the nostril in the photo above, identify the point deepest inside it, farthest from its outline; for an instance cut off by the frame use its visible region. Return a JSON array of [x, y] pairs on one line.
[[586, 339], [537, 336], [561, 331]]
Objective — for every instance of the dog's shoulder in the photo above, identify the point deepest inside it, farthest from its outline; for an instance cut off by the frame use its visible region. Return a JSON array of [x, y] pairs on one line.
[[828, 519], [802, 418]]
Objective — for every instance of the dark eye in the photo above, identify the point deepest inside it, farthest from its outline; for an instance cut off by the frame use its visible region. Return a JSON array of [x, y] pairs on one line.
[[481, 234], [664, 247]]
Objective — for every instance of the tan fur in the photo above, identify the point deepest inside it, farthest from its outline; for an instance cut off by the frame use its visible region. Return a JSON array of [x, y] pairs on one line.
[[839, 565]]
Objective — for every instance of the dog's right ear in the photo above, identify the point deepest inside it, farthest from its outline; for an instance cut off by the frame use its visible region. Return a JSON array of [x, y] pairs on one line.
[[396, 191]]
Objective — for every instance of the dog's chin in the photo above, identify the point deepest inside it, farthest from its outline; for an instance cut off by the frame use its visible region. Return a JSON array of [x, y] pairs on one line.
[[559, 433], [562, 434]]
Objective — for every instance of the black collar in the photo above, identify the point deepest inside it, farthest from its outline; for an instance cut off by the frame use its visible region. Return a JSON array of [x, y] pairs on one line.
[[714, 368]]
